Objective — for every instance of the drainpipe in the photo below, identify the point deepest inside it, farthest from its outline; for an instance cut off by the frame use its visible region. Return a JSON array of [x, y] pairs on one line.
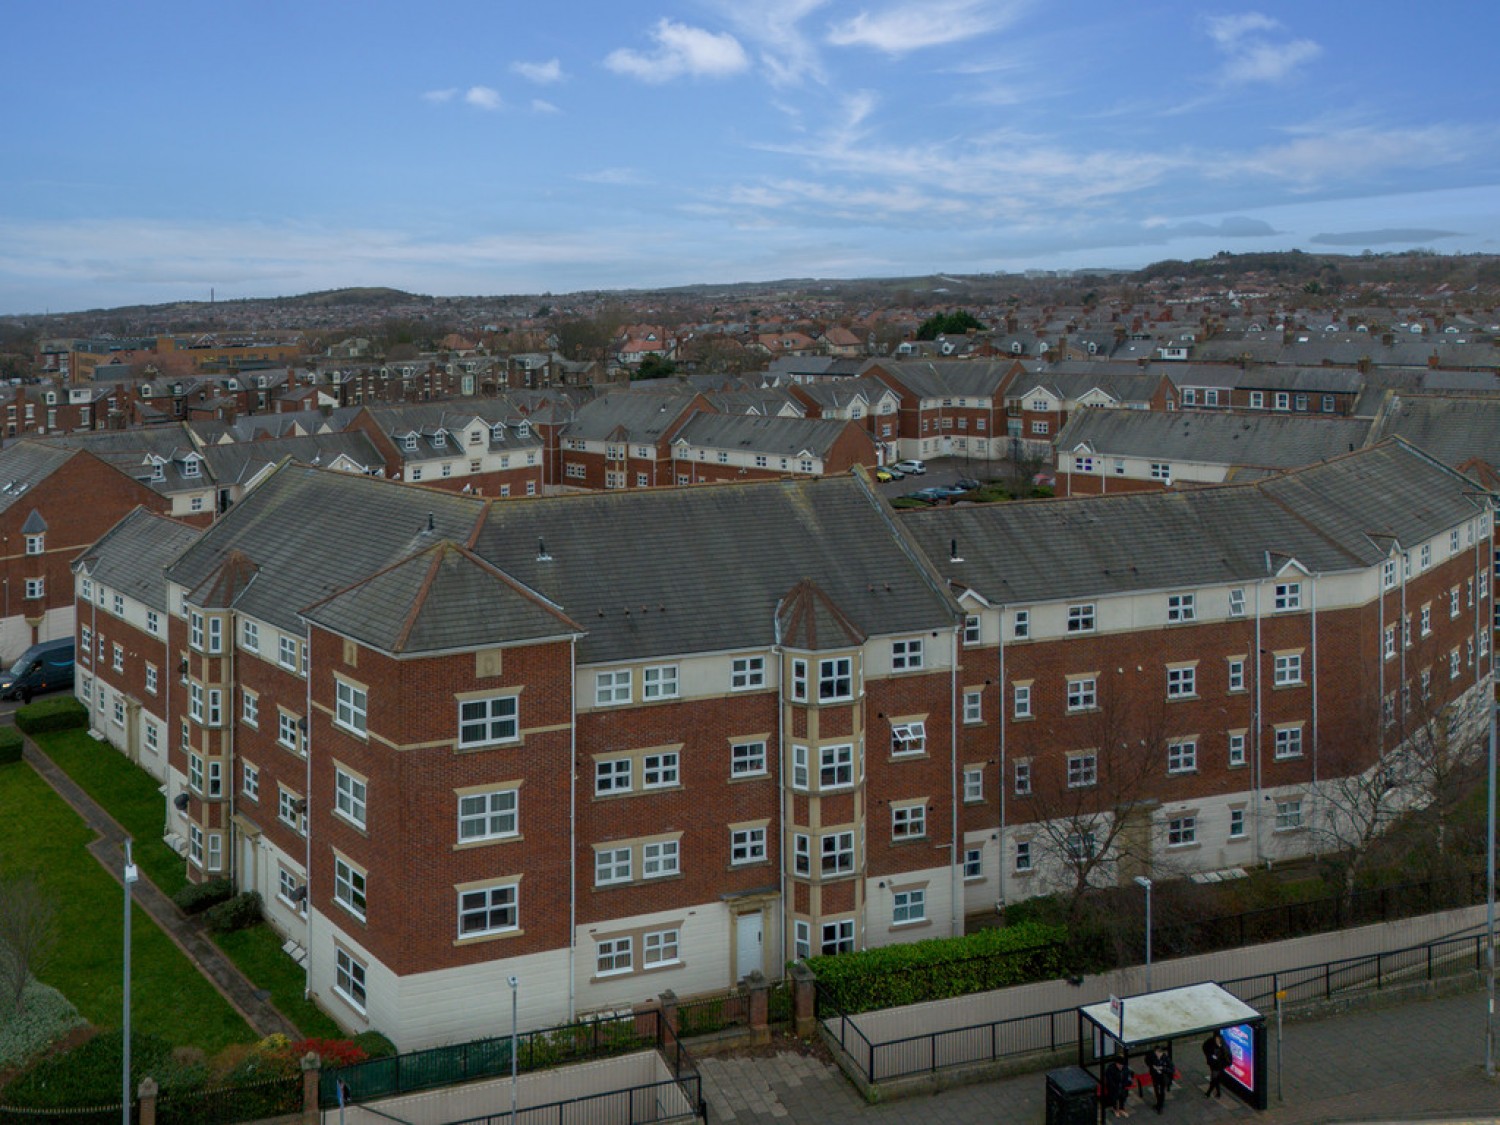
[[572, 827], [1000, 719], [307, 812], [1314, 684], [1255, 777], [956, 852], [788, 939]]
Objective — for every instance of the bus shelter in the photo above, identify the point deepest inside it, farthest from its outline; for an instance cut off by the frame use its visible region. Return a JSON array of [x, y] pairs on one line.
[[1132, 1025]]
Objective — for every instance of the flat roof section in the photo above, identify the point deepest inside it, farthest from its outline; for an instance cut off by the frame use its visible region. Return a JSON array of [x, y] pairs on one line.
[[1175, 1013]]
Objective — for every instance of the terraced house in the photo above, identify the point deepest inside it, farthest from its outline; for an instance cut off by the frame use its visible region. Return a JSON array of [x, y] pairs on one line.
[[619, 743]]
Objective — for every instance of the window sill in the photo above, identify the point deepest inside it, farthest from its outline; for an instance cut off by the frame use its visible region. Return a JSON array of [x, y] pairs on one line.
[[481, 939], [488, 841], [916, 924]]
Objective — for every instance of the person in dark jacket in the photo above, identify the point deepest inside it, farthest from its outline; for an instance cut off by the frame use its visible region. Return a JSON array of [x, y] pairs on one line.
[[1159, 1063], [1216, 1055], [1117, 1082]]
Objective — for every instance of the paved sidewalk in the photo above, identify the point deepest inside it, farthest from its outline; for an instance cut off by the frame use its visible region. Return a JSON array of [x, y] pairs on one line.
[[1420, 1060], [109, 850]]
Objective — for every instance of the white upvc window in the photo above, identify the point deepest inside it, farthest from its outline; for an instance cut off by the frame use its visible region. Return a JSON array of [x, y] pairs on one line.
[[1022, 772], [908, 907], [1236, 673], [249, 781], [1237, 824], [250, 636], [800, 767], [614, 955], [838, 937], [488, 722], [747, 673], [1288, 669], [1182, 607], [349, 978], [349, 796], [1288, 815], [1021, 624], [906, 655], [659, 682], [973, 784], [36, 545], [1182, 681], [1182, 831], [1289, 742], [286, 652], [660, 859], [1083, 693], [660, 771], [973, 707], [1023, 857], [1022, 696], [1081, 618], [837, 850], [1083, 770], [1237, 756], [488, 910], [288, 731], [660, 947], [1237, 602], [908, 822], [488, 816], [972, 627], [1288, 596], [799, 680], [801, 854], [836, 766], [613, 775], [747, 845], [195, 629], [835, 679], [349, 886], [151, 679], [1182, 756], [909, 738], [612, 688], [350, 706], [36, 588], [747, 759], [612, 865]]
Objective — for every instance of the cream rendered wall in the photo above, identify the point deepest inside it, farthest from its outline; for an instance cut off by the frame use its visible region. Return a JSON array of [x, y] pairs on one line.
[[705, 956], [881, 929]]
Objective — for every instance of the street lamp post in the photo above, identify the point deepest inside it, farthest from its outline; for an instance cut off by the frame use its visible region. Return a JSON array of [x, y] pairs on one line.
[[129, 876], [515, 990], [1145, 883]]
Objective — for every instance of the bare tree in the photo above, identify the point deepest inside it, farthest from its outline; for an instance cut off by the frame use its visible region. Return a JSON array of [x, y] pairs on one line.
[[27, 936], [1093, 807]]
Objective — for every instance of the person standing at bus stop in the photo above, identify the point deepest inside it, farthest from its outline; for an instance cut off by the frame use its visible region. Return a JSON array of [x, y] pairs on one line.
[[1117, 1083], [1216, 1055], [1159, 1063]]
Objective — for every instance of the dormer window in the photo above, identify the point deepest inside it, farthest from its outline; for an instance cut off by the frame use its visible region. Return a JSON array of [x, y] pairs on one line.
[[409, 442], [439, 440], [158, 471], [190, 466]]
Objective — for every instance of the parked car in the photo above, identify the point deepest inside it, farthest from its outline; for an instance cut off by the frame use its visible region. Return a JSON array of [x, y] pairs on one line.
[[935, 493], [947, 491], [44, 667], [969, 484], [885, 474], [922, 497], [910, 468]]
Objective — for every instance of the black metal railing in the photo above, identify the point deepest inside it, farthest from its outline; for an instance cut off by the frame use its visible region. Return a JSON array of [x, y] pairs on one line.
[[637, 1105]]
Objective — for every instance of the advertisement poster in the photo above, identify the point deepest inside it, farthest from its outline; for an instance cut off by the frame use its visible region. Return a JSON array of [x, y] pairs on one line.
[[1241, 1041]]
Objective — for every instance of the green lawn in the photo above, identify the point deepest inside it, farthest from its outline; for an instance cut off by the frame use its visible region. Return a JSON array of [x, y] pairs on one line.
[[127, 792], [40, 834], [257, 952], [130, 795]]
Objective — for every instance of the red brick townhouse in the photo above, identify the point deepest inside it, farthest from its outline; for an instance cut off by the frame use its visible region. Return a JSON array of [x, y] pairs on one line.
[[123, 675], [1133, 450], [949, 406], [451, 739], [478, 446], [624, 742], [729, 447], [1185, 681], [54, 502], [1038, 405], [623, 440], [871, 402]]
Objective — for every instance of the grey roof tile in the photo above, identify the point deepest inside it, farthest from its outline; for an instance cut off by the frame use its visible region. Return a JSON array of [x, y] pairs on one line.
[[130, 556]]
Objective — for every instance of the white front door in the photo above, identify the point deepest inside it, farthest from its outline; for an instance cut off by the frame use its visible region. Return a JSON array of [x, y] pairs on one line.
[[747, 945]]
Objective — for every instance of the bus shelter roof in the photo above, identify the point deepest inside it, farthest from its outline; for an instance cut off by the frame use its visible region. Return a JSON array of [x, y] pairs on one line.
[[1175, 1013]]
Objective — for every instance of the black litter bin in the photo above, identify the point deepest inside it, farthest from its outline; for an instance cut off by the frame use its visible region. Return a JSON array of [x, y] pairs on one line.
[[1072, 1097]]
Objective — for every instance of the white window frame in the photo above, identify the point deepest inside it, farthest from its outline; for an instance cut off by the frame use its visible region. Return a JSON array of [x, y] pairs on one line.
[[747, 845], [907, 655], [483, 911], [909, 907], [1182, 608], [349, 978], [1083, 617], [351, 707], [909, 740], [497, 724], [492, 815], [350, 887], [909, 822], [660, 681], [1083, 770], [612, 688], [747, 759], [746, 673], [350, 796], [1182, 755]]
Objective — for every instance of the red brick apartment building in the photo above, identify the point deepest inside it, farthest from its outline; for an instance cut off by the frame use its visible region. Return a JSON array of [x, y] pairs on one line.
[[618, 743]]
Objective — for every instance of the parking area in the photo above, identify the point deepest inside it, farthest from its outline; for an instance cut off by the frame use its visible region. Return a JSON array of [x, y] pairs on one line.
[[946, 472]]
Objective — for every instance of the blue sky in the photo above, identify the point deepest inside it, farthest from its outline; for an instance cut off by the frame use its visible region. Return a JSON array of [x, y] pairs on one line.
[[155, 149]]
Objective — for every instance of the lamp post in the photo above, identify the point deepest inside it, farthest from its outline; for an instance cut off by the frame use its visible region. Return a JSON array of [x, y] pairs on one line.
[[1145, 883], [515, 991], [129, 876]]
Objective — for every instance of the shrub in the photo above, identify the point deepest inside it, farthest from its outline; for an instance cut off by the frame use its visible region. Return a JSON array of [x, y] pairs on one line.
[[90, 1073], [894, 975], [238, 913], [11, 743], [43, 1018], [198, 897], [375, 1045], [61, 713]]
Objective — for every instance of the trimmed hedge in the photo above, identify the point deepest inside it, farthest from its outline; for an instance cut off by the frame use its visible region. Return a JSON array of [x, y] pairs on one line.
[[90, 1074], [60, 713], [938, 968], [11, 744], [195, 898], [238, 913]]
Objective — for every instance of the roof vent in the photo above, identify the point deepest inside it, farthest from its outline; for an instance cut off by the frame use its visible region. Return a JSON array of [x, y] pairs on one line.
[[541, 551], [431, 523], [953, 555]]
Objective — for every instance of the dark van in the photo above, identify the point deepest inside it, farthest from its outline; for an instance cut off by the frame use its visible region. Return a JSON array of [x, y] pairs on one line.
[[44, 667]]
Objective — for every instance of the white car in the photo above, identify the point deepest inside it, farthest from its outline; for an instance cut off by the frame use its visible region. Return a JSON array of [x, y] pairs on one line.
[[910, 467]]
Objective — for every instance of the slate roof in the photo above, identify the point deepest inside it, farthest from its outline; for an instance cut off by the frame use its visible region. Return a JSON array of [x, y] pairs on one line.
[[24, 465], [241, 461], [641, 417], [1329, 517], [130, 556], [1262, 440], [440, 599], [967, 378], [784, 437], [1454, 429], [1314, 380], [649, 573], [808, 619]]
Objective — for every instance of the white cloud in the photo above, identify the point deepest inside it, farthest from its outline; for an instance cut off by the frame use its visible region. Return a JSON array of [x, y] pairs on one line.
[[437, 97], [681, 50], [1345, 155], [927, 23], [482, 97], [615, 176], [1256, 49], [540, 106], [543, 74], [787, 55]]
